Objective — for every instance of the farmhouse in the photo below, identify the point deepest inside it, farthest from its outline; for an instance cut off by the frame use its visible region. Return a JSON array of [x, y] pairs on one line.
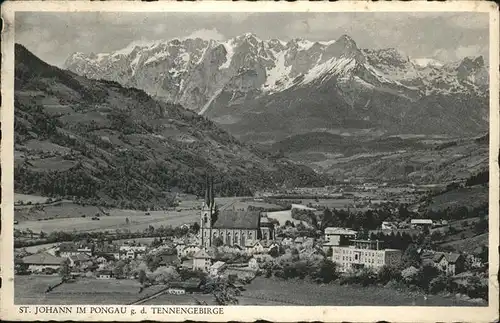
[[450, 263], [42, 261], [231, 227], [202, 261], [364, 253]]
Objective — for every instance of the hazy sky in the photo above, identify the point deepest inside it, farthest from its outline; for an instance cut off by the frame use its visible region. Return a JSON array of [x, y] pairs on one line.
[[444, 36]]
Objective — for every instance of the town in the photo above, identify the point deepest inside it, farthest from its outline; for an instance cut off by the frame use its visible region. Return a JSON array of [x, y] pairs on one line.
[[242, 251]]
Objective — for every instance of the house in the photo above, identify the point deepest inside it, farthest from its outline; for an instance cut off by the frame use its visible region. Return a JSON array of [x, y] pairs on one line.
[[167, 258], [386, 225], [77, 260], [217, 268], [253, 247], [338, 236], [191, 285], [184, 250], [67, 249], [132, 252], [421, 223], [42, 261], [450, 263], [268, 245], [298, 241], [187, 264], [202, 261], [104, 274], [109, 251], [287, 242]]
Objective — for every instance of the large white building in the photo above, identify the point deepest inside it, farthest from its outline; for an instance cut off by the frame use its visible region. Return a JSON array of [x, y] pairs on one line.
[[364, 253]]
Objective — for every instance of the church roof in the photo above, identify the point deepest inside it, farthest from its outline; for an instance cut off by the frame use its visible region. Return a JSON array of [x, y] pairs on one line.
[[232, 219]]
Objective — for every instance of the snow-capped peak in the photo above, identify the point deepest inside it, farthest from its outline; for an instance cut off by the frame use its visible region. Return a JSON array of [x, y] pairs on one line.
[[206, 34], [426, 62]]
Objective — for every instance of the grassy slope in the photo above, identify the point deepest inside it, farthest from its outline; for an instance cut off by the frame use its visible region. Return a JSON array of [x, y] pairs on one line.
[[98, 140]]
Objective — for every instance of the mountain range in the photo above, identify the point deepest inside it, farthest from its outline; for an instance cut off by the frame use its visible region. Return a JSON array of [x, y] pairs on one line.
[[266, 91], [104, 143]]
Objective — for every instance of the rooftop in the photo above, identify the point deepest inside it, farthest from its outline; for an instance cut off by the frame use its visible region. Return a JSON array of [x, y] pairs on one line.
[[43, 259], [346, 231], [237, 219]]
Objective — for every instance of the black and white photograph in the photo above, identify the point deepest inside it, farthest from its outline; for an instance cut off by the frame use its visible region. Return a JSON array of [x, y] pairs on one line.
[[252, 158]]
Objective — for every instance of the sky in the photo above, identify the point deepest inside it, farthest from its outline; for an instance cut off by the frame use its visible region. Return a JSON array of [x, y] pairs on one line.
[[442, 36]]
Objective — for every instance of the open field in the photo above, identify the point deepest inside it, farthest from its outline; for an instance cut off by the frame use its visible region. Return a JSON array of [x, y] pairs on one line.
[[468, 244], [137, 222], [186, 299], [305, 293], [25, 198], [31, 290], [67, 216], [468, 196], [283, 216]]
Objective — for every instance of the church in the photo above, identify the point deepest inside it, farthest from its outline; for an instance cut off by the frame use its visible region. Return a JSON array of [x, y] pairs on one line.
[[231, 227]]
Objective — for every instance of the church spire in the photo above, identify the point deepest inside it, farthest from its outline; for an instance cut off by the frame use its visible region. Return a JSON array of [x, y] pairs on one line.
[[207, 189], [212, 195]]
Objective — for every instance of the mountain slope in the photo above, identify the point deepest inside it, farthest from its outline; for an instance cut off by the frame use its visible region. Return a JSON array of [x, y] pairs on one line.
[[257, 90], [99, 141]]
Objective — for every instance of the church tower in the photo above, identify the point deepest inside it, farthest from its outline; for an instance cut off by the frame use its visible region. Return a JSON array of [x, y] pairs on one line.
[[208, 211]]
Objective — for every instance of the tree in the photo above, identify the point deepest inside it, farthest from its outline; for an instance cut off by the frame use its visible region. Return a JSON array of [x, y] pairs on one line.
[[327, 271], [222, 291], [119, 269], [142, 277], [388, 273], [411, 257], [65, 270], [195, 227], [218, 242]]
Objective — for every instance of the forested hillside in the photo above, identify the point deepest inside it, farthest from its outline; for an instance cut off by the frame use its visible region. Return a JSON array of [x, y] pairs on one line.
[[100, 142]]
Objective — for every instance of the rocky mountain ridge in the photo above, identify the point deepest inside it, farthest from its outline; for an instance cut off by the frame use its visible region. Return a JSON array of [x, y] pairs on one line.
[[225, 79]]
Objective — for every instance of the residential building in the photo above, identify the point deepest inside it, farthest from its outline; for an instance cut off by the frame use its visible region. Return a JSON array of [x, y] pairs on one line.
[[202, 261], [132, 252], [231, 227], [364, 253], [338, 236], [78, 259], [189, 250], [386, 225], [110, 251], [421, 223], [67, 249], [449, 263], [104, 274], [42, 261]]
